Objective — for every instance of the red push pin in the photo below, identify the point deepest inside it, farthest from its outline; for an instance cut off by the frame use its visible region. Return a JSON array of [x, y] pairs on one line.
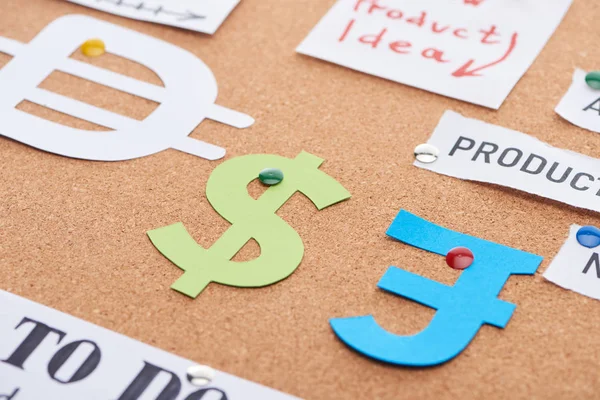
[[459, 258]]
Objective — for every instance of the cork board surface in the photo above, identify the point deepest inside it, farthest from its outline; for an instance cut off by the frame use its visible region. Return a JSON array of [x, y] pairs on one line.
[[73, 232]]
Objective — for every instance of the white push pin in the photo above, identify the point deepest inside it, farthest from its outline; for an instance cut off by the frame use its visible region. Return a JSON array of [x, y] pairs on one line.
[[187, 98], [426, 153], [200, 375]]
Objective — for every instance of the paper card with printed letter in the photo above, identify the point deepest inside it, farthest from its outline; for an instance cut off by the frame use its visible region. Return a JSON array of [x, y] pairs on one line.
[[576, 267], [47, 354], [581, 104], [187, 98], [478, 151], [471, 50], [201, 16]]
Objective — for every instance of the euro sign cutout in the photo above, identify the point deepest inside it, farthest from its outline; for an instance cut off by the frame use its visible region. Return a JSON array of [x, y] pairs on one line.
[[461, 309], [186, 99], [281, 248]]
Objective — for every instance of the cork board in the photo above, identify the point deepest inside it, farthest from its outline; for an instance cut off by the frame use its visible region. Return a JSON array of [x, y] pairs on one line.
[[72, 232]]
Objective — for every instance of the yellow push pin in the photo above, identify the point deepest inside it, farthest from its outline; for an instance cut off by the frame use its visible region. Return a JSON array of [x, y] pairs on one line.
[[93, 48]]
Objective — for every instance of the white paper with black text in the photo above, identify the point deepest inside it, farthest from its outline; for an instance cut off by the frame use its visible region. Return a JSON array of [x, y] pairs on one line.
[[475, 150], [471, 50], [201, 16], [576, 267], [581, 104], [50, 355]]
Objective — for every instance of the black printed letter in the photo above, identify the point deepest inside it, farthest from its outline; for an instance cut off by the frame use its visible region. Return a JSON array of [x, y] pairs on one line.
[[9, 396], [591, 106], [145, 378], [518, 155], [564, 176], [31, 342], [458, 142], [593, 260], [486, 154], [61, 356], [525, 167], [576, 179]]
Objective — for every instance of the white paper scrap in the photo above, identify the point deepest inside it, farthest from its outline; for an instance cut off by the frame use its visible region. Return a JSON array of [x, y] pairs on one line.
[[187, 98], [581, 104], [47, 354], [471, 50], [576, 267], [201, 16], [475, 150]]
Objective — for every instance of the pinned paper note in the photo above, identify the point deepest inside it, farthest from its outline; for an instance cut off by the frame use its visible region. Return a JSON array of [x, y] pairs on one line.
[[581, 104], [461, 309], [475, 150], [281, 248], [576, 267], [472, 50], [187, 98], [50, 355], [201, 16]]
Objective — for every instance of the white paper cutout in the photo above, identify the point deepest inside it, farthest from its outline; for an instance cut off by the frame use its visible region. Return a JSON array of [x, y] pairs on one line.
[[576, 267], [581, 104], [475, 150], [196, 15], [187, 98], [487, 45], [121, 360]]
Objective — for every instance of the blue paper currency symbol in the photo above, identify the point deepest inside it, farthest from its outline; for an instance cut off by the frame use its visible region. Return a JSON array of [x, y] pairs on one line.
[[461, 309]]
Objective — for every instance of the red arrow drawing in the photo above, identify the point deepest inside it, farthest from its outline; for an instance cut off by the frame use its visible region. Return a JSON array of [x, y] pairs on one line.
[[464, 70]]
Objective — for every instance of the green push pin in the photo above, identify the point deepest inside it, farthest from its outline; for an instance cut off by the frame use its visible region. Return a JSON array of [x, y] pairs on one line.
[[593, 79], [270, 176]]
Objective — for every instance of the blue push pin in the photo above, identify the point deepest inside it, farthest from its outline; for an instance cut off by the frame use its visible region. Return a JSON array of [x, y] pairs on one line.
[[588, 236]]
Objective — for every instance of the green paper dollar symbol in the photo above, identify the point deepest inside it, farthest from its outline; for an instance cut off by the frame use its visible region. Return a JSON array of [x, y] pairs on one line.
[[281, 248]]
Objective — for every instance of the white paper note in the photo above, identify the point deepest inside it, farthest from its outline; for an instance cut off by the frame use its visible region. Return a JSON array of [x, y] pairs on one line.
[[581, 105], [475, 150], [50, 355], [196, 15], [187, 98], [472, 50], [576, 267]]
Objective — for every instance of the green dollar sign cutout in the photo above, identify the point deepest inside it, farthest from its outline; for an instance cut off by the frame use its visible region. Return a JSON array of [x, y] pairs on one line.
[[281, 248]]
